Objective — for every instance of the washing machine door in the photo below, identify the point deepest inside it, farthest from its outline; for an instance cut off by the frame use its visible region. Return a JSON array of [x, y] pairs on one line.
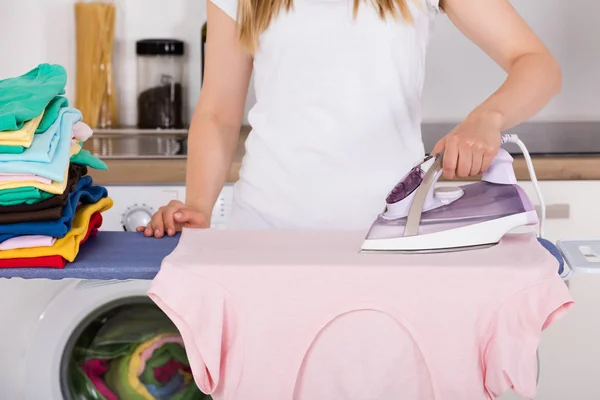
[[107, 340]]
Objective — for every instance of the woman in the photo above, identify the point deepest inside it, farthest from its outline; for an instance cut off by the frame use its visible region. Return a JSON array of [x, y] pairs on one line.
[[335, 126], [337, 118]]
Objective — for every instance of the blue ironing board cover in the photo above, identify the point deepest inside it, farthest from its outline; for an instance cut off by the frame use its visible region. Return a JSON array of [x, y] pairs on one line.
[[110, 255], [130, 255], [551, 247]]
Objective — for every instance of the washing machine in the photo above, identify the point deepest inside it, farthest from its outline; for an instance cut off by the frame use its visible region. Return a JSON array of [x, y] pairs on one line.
[[48, 327]]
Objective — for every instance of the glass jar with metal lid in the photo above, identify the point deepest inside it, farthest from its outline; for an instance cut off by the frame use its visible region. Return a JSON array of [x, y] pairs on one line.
[[160, 69]]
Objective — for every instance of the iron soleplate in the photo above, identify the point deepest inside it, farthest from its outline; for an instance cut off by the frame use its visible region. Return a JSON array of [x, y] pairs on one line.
[[431, 251]]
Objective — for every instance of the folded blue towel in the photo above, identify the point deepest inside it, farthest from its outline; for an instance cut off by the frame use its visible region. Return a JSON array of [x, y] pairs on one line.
[[49, 153], [85, 193]]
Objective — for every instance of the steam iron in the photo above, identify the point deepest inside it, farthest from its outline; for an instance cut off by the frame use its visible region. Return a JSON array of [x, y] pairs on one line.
[[422, 218]]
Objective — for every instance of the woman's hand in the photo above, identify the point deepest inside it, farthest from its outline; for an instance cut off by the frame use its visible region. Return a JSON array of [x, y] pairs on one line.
[[172, 217], [534, 77], [470, 147]]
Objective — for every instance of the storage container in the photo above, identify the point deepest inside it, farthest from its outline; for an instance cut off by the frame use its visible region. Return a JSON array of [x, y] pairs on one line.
[[160, 69]]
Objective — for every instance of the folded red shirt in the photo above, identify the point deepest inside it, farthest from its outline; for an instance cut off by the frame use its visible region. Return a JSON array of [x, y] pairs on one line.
[[52, 261]]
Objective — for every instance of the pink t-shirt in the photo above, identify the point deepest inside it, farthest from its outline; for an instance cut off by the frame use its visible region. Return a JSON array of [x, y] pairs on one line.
[[82, 131], [9, 177], [27, 242], [291, 315]]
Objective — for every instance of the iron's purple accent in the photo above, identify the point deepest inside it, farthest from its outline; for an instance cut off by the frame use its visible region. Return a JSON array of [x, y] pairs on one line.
[[501, 170], [406, 186], [524, 199], [482, 201], [532, 217]]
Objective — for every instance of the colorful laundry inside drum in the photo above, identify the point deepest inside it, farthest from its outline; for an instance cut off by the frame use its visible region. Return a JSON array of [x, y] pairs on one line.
[[134, 355]]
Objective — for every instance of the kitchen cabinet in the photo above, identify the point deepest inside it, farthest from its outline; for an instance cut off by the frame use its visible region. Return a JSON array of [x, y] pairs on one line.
[[571, 208]]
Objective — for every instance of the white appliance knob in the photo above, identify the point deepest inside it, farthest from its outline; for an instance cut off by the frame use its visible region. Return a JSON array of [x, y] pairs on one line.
[[138, 215]]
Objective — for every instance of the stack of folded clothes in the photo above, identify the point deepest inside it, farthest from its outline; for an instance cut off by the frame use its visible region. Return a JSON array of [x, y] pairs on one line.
[[48, 203]]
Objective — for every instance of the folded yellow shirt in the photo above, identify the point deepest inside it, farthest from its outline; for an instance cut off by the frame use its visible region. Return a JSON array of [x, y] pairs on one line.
[[67, 247], [54, 187], [22, 137]]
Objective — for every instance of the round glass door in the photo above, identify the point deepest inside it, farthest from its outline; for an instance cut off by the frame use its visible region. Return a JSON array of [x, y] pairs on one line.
[[127, 350]]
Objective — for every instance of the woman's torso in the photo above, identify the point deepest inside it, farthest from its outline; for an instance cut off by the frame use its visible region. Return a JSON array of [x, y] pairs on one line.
[[337, 116]]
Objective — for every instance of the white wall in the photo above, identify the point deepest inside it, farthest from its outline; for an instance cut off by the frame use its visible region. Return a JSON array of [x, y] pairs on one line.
[[455, 82], [570, 28], [50, 38]]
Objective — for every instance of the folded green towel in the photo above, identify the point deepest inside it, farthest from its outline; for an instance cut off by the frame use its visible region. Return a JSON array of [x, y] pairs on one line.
[[25, 97], [12, 149], [23, 195], [51, 113], [84, 157]]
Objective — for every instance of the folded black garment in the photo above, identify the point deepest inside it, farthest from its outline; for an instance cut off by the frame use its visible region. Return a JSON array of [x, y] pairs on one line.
[[46, 210]]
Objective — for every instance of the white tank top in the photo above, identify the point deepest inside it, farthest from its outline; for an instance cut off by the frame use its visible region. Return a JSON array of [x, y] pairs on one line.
[[337, 116]]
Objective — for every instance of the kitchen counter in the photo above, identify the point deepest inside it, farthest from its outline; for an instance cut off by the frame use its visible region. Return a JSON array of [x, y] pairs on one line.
[[172, 171]]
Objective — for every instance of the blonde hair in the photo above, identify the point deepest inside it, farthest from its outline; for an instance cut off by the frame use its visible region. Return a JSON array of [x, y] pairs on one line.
[[254, 16]]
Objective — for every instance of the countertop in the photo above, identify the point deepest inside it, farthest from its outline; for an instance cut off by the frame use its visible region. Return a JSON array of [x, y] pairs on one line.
[[172, 171]]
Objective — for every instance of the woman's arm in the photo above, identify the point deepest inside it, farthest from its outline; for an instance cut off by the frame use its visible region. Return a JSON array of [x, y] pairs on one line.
[[215, 128], [214, 132], [534, 77]]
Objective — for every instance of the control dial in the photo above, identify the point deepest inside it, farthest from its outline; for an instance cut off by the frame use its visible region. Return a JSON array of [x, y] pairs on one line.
[[137, 215], [448, 194]]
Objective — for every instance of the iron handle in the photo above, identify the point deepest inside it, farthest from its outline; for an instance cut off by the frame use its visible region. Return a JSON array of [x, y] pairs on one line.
[[556, 211], [413, 219]]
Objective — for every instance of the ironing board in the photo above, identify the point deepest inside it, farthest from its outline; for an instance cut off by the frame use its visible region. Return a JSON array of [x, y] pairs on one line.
[[110, 255], [130, 255]]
